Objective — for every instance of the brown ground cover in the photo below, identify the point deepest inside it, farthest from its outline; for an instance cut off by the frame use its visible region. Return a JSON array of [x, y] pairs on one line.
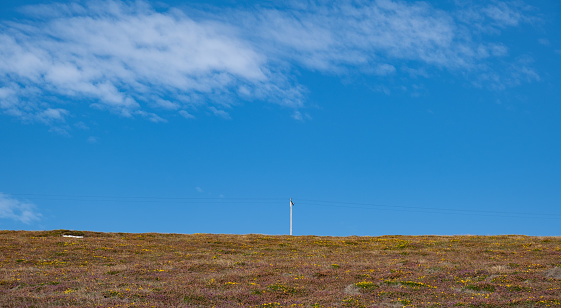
[[44, 269]]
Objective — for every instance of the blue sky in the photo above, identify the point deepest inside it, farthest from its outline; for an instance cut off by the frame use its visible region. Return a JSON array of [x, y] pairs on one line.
[[376, 117]]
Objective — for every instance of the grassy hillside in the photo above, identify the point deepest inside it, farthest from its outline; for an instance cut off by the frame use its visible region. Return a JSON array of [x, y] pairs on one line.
[[44, 269]]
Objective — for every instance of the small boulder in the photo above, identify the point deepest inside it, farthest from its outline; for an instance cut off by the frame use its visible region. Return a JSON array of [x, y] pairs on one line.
[[554, 273], [352, 289]]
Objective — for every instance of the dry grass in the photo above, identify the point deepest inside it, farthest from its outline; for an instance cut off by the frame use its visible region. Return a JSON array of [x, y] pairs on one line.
[[44, 269]]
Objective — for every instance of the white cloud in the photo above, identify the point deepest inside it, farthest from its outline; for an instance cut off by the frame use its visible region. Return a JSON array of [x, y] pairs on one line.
[[11, 208], [165, 104], [544, 41], [220, 113], [122, 58], [152, 117], [52, 114], [134, 61], [297, 115], [366, 35], [517, 73], [490, 17], [377, 37], [186, 114], [384, 69], [5, 93], [503, 14], [81, 125]]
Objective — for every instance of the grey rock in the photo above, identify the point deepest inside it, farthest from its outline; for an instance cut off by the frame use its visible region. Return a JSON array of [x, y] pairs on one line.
[[554, 273], [352, 289]]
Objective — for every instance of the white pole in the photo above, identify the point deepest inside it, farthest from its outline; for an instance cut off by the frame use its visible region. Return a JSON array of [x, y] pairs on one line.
[[290, 216]]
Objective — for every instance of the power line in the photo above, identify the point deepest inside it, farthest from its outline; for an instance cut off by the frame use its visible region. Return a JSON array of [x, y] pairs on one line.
[[304, 202], [143, 199], [42, 196], [372, 206]]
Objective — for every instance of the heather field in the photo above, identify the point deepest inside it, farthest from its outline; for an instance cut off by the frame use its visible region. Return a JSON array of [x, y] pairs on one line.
[[45, 269]]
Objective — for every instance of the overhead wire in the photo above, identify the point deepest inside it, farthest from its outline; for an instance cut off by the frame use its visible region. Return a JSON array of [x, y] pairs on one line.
[[435, 209], [445, 211], [274, 200], [142, 199], [39, 196]]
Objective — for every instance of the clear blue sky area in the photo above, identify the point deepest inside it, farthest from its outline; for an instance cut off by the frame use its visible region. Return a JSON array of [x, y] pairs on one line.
[[375, 117]]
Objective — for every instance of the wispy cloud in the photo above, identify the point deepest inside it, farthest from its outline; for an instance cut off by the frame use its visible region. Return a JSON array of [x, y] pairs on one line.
[[132, 60], [125, 58], [186, 114], [503, 14], [11, 208], [220, 113], [518, 72], [360, 34], [544, 41], [376, 37]]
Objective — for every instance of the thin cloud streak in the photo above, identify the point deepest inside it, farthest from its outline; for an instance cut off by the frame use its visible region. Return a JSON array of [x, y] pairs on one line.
[[134, 61]]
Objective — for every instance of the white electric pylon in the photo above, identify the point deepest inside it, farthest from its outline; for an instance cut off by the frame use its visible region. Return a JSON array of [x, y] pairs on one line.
[[291, 205]]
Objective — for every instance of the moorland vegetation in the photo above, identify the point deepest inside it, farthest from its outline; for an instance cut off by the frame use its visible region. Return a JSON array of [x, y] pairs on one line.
[[45, 269]]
